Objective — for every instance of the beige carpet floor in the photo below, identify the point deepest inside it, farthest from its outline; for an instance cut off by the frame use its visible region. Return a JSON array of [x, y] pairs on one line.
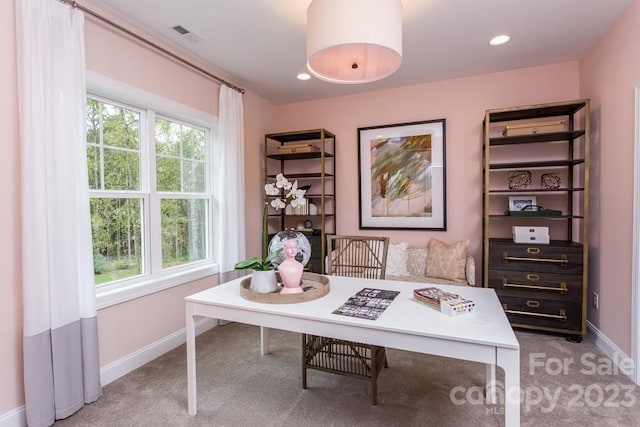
[[563, 384]]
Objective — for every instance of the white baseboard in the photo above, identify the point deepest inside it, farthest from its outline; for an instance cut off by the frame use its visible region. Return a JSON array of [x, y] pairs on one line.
[[133, 361], [14, 418], [612, 351], [17, 418]]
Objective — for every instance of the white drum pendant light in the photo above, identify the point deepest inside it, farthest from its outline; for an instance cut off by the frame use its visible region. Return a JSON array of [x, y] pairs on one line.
[[354, 41]]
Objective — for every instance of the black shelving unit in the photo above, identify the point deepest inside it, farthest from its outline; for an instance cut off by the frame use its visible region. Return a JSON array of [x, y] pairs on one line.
[[541, 286], [313, 163]]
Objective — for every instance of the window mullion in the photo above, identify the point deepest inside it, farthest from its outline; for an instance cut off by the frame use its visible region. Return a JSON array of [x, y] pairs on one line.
[[101, 147], [210, 190], [155, 230]]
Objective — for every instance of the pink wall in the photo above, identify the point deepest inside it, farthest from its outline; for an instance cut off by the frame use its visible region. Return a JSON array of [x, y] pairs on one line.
[[462, 102], [609, 74], [256, 125]]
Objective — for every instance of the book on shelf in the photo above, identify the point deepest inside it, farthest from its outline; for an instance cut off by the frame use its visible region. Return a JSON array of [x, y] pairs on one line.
[[445, 302]]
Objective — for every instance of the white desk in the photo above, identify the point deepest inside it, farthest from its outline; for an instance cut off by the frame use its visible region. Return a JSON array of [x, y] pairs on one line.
[[484, 336]]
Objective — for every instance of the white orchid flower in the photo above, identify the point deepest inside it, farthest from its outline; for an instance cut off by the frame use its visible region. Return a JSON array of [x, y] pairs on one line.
[[297, 194], [294, 195], [271, 190], [278, 204], [282, 182], [293, 189]]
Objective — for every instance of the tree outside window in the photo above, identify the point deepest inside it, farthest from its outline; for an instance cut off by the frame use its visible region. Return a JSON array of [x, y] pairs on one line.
[[143, 224]]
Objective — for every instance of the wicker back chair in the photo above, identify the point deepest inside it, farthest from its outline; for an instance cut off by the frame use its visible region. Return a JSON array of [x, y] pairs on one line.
[[353, 256]]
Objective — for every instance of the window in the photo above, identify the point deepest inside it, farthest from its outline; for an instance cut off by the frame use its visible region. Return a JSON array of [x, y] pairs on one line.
[[150, 182]]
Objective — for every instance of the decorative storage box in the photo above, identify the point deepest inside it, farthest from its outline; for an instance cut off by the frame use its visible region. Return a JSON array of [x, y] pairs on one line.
[[533, 128], [297, 148], [523, 234], [446, 302]]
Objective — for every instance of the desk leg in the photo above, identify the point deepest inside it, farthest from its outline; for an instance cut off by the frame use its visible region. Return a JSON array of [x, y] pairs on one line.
[[264, 340], [192, 395], [490, 387], [509, 360]]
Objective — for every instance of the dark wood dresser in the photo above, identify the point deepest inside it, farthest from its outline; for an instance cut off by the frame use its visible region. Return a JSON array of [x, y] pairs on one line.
[[540, 286]]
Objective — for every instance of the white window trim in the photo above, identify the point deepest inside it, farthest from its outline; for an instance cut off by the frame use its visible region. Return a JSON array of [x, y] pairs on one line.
[[112, 89]]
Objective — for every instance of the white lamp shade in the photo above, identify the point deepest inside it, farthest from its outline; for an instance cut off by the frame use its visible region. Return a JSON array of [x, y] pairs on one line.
[[354, 41]]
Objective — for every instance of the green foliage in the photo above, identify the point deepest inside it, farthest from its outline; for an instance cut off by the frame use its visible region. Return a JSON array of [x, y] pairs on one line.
[[99, 263], [114, 146], [184, 225], [256, 262], [115, 166], [121, 264], [110, 274]]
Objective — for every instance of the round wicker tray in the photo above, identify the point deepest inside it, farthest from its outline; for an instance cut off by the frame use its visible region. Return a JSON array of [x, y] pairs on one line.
[[314, 285]]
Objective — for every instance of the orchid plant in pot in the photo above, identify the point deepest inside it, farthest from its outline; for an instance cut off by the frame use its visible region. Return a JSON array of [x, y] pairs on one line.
[[281, 192]]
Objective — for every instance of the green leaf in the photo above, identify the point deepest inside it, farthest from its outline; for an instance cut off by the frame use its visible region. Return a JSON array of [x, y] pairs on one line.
[[253, 263], [272, 256], [256, 263]]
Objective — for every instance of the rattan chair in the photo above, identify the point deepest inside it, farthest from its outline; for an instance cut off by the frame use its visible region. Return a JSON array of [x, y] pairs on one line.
[[353, 256]]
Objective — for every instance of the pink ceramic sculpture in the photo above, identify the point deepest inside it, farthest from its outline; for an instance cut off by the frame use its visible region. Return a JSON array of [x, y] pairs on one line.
[[291, 270]]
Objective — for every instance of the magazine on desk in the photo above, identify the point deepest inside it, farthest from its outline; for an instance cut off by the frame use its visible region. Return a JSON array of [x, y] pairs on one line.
[[368, 303], [445, 302]]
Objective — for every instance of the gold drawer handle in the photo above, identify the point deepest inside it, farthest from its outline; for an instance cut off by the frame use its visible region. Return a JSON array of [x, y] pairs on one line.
[[533, 277], [533, 304], [533, 251], [562, 316], [563, 289], [563, 260]]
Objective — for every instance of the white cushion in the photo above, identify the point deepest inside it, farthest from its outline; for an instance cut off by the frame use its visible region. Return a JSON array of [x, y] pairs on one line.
[[397, 257], [416, 267]]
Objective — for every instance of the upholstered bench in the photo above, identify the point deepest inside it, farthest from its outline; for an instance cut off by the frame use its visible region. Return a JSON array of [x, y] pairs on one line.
[[438, 263]]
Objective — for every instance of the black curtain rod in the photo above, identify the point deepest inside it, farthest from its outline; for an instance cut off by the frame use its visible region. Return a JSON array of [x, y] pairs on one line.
[[152, 44]]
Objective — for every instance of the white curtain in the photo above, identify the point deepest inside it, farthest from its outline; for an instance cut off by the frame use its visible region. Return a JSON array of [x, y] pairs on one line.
[[230, 188], [60, 344]]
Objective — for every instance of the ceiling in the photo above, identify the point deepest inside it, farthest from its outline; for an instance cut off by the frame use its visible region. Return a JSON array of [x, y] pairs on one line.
[[261, 44]]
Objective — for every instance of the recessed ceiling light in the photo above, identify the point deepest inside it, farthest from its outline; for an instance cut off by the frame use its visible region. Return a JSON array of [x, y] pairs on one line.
[[498, 40], [303, 76]]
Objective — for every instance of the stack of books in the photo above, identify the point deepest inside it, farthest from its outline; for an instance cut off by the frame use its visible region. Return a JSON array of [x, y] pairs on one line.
[[446, 302]]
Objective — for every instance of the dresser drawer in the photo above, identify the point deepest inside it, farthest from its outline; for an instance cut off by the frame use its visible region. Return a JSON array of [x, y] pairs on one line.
[[537, 285], [543, 313], [552, 258]]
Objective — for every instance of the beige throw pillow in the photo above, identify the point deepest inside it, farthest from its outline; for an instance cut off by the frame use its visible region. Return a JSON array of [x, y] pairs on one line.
[[446, 261], [397, 259]]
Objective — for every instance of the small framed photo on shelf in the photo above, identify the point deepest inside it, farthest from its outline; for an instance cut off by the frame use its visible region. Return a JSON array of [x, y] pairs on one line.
[[522, 203]]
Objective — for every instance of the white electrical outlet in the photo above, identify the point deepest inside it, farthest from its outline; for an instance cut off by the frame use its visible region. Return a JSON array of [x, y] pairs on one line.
[[596, 301]]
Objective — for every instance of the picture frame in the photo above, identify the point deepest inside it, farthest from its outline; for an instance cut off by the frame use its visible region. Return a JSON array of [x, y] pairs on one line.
[[516, 203], [402, 174]]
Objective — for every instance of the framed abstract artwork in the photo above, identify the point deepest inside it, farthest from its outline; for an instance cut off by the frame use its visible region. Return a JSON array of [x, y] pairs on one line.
[[402, 176]]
